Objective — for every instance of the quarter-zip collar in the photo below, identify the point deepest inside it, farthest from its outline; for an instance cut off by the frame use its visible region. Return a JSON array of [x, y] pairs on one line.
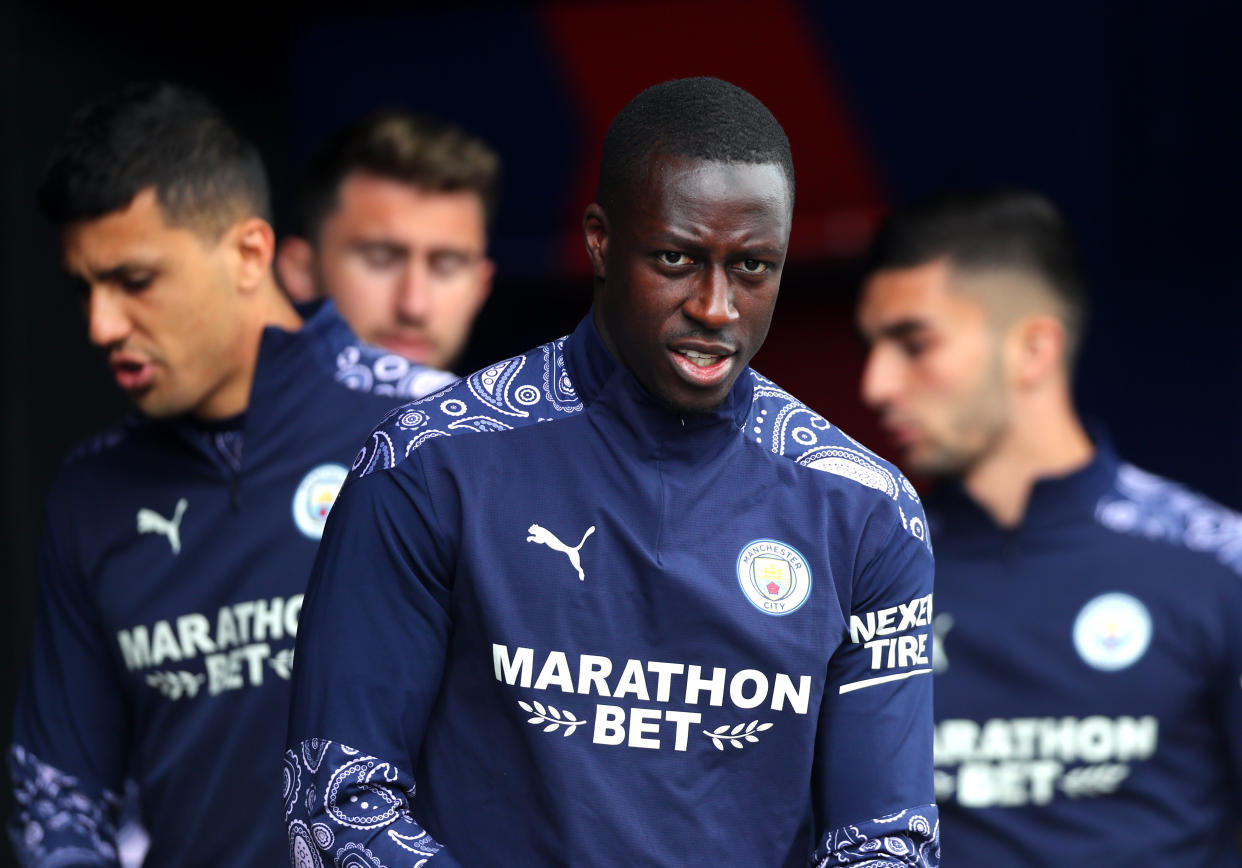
[[1056, 503], [605, 384]]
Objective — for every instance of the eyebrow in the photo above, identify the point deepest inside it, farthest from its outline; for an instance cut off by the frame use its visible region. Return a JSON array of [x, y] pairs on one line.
[[899, 329], [371, 243], [116, 272], [761, 248]]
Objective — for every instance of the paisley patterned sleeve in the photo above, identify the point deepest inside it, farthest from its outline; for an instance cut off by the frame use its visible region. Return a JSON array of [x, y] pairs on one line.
[[57, 821], [345, 808], [874, 742], [370, 652], [906, 839]]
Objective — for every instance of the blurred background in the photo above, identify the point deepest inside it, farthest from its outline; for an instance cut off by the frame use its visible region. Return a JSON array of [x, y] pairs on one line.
[[1128, 115]]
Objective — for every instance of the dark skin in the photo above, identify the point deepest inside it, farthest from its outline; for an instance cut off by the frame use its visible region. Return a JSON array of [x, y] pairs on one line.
[[687, 270]]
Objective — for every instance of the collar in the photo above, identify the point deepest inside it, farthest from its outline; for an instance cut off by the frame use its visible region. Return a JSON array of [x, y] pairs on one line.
[[604, 383], [1055, 501]]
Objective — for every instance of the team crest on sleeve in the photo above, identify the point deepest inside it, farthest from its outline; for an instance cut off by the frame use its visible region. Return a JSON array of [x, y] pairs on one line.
[[1112, 631], [314, 498], [774, 576]]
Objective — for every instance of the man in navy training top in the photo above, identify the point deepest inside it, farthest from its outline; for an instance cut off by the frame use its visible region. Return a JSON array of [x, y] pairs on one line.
[[1089, 626], [176, 547], [658, 611]]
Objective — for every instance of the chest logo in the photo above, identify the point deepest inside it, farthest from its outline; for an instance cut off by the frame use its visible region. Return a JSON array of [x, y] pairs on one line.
[[314, 498], [545, 537], [150, 521], [1112, 632], [774, 576]]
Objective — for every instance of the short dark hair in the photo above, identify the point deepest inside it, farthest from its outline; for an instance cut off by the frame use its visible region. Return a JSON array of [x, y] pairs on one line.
[[417, 150], [702, 118], [206, 174], [985, 230]]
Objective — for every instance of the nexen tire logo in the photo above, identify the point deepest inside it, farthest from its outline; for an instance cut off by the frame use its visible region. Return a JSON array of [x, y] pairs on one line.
[[773, 576]]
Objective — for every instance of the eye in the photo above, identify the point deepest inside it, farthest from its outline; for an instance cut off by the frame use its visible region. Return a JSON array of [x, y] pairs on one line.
[[135, 282], [381, 256], [446, 264], [753, 266], [913, 347], [673, 257]]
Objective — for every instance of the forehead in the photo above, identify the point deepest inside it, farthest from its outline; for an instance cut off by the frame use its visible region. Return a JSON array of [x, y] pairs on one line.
[[370, 204], [696, 191], [921, 295], [137, 233]]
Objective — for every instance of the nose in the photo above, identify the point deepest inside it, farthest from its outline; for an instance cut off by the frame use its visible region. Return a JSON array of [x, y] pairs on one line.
[[711, 302], [881, 377], [413, 291], [107, 321]]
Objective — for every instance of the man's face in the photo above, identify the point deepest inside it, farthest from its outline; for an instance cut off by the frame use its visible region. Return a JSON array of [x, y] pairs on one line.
[[687, 274], [162, 302], [935, 371], [407, 268]]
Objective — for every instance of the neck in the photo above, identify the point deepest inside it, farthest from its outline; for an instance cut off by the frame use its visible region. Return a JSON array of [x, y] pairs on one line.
[[1044, 439], [267, 306]]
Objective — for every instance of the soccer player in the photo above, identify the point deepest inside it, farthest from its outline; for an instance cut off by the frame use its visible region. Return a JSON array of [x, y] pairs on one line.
[[396, 209], [176, 547], [1089, 614], [658, 611]]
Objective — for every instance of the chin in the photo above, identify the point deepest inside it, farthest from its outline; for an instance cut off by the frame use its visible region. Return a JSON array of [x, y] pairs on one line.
[[159, 409], [683, 403]]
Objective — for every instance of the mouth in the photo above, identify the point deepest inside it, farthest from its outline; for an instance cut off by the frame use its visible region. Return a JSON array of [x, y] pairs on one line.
[[133, 374], [703, 366], [902, 434], [414, 348]]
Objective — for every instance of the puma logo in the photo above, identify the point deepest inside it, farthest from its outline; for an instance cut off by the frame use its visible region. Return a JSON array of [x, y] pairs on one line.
[[150, 521], [543, 536]]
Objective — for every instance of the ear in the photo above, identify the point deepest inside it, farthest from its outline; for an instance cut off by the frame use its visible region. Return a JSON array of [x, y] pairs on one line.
[[1039, 349], [595, 233], [295, 268], [255, 244]]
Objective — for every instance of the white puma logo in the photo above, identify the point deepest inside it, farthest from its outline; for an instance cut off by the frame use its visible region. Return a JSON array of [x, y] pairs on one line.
[[543, 536], [150, 521]]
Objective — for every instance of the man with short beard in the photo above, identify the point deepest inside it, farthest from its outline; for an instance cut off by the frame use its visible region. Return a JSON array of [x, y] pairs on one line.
[[1089, 614]]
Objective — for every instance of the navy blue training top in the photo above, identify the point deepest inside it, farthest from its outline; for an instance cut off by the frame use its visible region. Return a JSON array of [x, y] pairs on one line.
[[1089, 675], [173, 562], [596, 632]]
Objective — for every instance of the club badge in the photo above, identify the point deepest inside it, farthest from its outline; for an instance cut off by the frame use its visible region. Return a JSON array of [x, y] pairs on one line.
[[1112, 631], [773, 576], [314, 498]]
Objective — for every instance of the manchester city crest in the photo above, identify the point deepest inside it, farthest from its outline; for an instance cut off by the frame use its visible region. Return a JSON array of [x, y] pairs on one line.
[[314, 498], [1112, 631], [773, 576]]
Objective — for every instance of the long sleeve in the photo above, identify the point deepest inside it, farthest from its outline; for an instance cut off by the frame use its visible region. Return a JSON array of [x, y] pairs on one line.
[[873, 766], [370, 654], [70, 731]]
